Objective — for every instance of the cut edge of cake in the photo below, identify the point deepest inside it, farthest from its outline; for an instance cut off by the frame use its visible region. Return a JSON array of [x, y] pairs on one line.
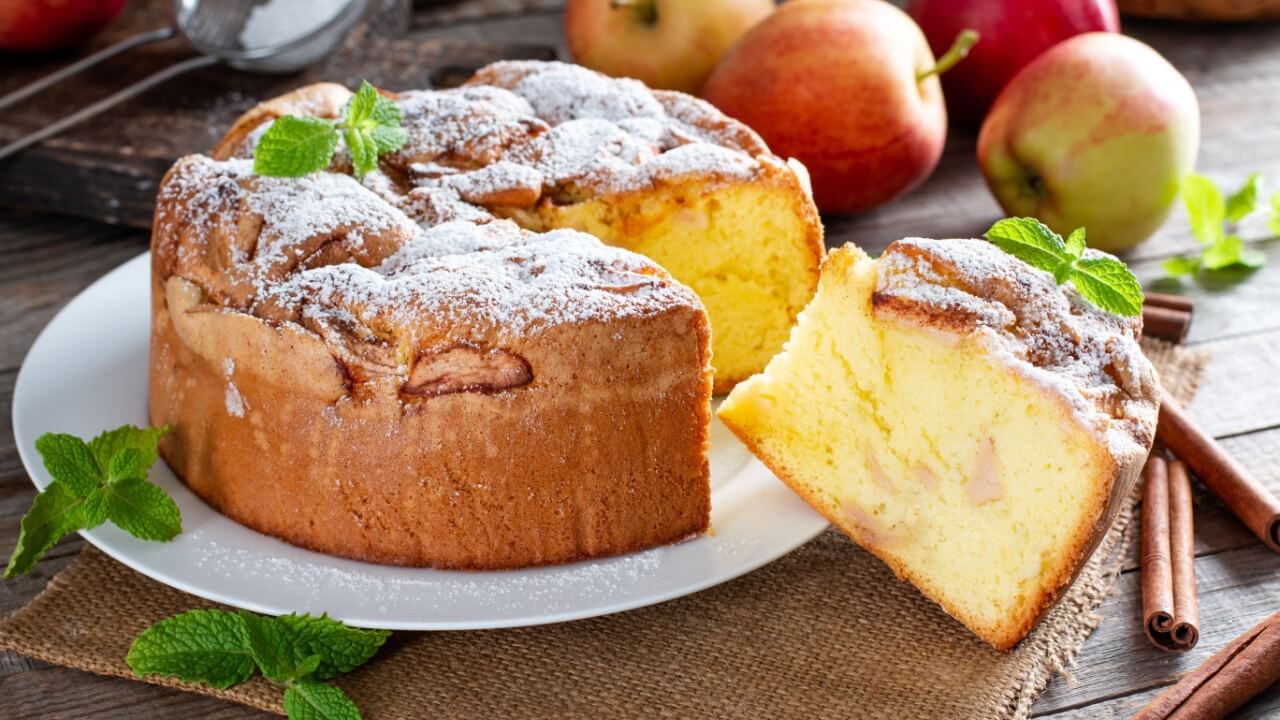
[[917, 301]]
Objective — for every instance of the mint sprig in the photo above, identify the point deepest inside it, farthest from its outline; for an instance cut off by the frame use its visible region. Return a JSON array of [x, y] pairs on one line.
[[1101, 279], [222, 649], [1212, 217], [296, 146], [103, 479]]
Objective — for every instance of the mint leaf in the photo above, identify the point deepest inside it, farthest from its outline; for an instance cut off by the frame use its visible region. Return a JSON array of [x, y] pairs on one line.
[[1205, 207], [358, 112], [295, 146], [1181, 265], [1223, 253], [389, 137], [93, 511], [69, 460], [276, 655], [128, 463], [197, 646], [340, 648], [364, 152], [106, 445], [1075, 243], [1107, 283], [142, 509], [55, 512], [1243, 201], [370, 126], [1031, 241], [318, 701], [1273, 223]]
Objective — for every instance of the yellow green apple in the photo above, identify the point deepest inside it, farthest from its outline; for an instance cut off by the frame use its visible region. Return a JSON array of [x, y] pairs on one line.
[[1096, 132], [669, 44]]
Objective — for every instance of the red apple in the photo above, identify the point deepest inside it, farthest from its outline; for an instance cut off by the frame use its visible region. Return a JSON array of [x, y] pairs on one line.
[[1096, 133], [40, 25], [844, 86], [1014, 32], [671, 44]]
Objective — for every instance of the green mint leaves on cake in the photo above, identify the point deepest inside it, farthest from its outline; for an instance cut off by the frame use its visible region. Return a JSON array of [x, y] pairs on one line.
[[222, 649], [1104, 281], [1212, 216], [103, 479], [296, 146]]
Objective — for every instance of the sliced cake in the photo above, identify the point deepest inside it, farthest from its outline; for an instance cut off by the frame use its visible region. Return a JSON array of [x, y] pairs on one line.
[[960, 415]]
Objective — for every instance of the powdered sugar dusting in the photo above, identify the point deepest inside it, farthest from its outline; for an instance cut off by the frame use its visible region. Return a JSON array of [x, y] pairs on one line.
[[1047, 332], [233, 400]]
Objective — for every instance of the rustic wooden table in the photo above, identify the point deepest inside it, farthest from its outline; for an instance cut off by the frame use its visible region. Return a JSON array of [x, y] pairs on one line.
[[46, 260]]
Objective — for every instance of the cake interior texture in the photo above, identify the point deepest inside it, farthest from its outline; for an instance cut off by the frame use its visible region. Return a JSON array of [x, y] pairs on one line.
[[948, 449]]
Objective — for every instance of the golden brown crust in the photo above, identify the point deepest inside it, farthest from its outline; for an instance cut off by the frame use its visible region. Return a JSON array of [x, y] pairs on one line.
[[462, 395]]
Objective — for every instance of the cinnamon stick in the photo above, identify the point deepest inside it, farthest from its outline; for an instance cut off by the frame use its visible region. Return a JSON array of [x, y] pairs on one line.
[[1157, 567], [1247, 498], [1235, 674], [1182, 551], [1165, 300], [1165, 323]]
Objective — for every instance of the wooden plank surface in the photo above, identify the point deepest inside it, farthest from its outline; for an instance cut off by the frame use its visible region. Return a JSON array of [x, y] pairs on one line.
[[108, 167], [44, 261]]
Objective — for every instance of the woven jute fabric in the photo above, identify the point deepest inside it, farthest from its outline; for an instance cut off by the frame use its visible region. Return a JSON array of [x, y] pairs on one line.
[[825, 632]]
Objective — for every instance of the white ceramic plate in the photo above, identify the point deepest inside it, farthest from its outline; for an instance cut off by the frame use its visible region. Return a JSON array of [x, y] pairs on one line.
[[87, 373]]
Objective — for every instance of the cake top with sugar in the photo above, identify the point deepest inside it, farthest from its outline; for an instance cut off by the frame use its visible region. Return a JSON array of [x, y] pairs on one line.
[[1088, 356]]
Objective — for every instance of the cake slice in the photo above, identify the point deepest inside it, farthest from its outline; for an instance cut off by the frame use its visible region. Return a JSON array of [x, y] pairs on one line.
[[961, 416]]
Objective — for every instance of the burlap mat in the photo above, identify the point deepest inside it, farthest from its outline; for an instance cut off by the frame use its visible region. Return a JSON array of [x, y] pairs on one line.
[[825, 632]]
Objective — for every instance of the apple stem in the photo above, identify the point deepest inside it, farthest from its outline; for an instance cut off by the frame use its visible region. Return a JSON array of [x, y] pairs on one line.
[[959, 49], [647, 9]]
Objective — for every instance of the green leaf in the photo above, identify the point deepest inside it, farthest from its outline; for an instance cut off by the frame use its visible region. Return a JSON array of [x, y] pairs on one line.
[[341, 648], [1252, 258], [94, 510], [1108, 284], [106, 445], [295, 146], [1273, 223], [1075, 243], [1031, 241], [364, 152], [142, 509], [1205, 207], [1243, 201], [55, 512], [127, 463], [69, 460], [1223, 253], [1182, 265], [205, 646], [359, 111], [389, 137], [318, 701], [273, 650]]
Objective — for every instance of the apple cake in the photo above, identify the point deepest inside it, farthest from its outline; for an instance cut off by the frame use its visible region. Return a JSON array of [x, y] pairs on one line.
[[961, 416], [551, 146], [467, 394]]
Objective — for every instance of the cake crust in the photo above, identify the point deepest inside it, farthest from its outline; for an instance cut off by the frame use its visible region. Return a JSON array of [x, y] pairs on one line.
[[413, 380]]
